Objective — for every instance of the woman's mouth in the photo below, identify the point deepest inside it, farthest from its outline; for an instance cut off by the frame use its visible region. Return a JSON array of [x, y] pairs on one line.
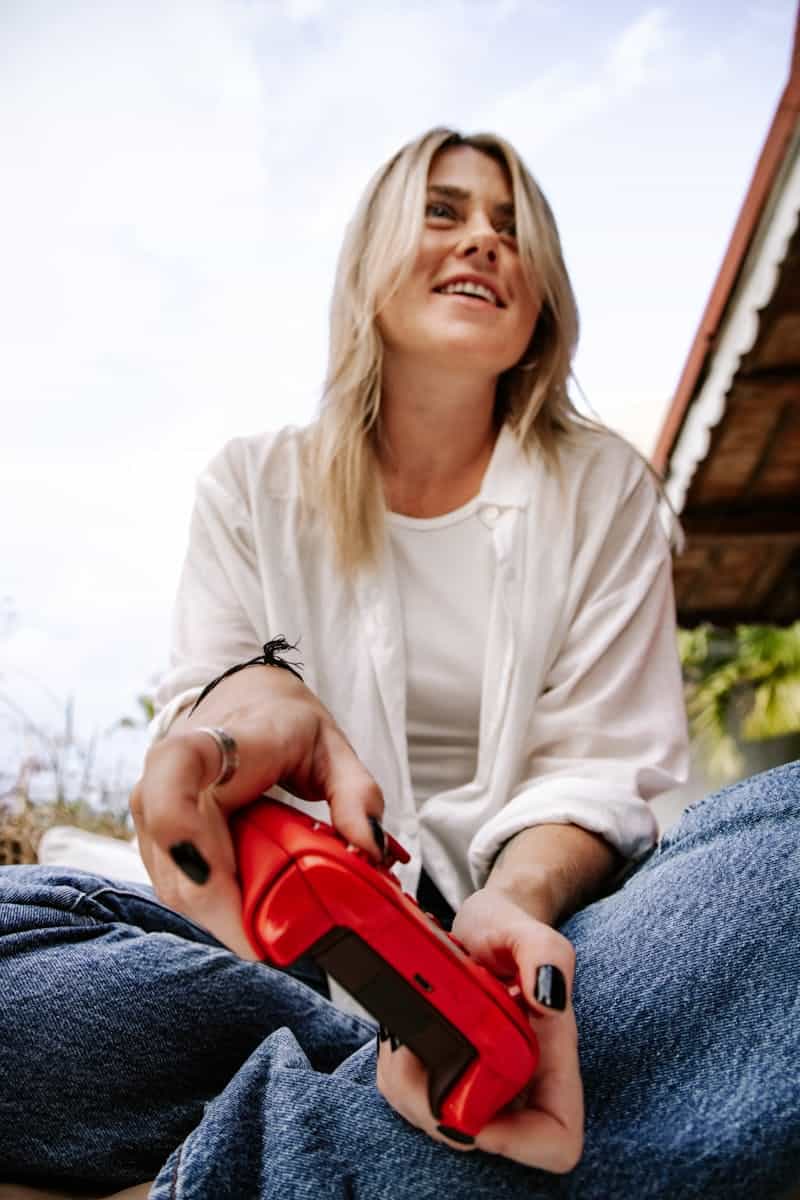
[[474, 291]]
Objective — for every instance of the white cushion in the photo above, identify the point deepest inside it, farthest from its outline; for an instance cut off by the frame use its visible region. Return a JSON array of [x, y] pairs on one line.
[[66, 846]]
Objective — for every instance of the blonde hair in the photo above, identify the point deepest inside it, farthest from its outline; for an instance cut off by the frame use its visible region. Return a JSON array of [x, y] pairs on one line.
[[341, 474]]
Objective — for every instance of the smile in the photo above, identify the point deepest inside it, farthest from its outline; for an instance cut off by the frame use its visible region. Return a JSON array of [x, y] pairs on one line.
[[467, 287]]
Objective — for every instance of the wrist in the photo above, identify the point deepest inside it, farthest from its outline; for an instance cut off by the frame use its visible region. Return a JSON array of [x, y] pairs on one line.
[[237, 695], [271, 656], [552, 870], [531, 887]]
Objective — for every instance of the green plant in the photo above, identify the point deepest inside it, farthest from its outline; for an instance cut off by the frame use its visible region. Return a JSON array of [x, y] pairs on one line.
[[742, 685]]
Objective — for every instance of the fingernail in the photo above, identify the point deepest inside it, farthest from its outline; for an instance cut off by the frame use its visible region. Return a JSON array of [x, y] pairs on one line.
[[394, 1042], [383, 1033], [191, 862], [378, 834], [551, 988], [455, 1135]]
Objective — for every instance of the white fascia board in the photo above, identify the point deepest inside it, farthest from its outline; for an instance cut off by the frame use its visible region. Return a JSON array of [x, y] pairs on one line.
[[739, 327]]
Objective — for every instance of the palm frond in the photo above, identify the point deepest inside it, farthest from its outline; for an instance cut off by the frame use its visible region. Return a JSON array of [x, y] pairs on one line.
[[740, 685], [775, 711]]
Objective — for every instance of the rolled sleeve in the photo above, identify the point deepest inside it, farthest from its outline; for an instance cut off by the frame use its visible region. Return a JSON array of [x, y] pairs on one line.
[[160, 725], [608, 731]]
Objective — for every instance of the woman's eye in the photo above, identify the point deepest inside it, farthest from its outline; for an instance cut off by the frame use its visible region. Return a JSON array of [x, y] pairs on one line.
[[439, 211], [509, 229]]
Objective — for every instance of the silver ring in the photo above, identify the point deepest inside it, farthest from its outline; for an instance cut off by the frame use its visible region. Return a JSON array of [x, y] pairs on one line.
[[229, 753]]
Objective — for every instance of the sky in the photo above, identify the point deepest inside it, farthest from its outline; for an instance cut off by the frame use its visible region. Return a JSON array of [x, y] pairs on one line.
[[177, 175]]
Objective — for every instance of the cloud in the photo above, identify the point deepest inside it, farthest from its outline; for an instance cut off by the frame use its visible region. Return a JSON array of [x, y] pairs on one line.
[[130, 203], [303, 10], [566, 95], [638, 51]]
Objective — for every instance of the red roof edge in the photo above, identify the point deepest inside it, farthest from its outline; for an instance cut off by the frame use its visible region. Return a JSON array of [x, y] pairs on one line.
[[766, 171]]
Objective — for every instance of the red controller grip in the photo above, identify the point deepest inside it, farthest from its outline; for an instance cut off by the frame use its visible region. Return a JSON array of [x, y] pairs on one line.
[[305, 891]]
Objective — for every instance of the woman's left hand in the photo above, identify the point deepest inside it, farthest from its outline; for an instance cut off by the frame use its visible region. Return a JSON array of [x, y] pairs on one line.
[[544, 1127]]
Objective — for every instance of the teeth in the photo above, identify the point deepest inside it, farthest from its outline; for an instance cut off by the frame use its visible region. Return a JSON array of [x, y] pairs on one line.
[[467, 288]]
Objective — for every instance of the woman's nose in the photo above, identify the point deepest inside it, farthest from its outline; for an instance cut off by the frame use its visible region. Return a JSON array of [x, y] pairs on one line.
[[480, 246]]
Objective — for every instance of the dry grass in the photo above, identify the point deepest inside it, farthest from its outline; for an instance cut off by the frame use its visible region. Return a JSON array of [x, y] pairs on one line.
[[23, 821]]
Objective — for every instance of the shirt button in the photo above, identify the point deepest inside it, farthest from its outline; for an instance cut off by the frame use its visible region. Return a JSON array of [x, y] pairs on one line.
[[490, 514]]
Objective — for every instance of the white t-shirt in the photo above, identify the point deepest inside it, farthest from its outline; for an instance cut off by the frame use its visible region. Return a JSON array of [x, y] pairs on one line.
[[445, 570]]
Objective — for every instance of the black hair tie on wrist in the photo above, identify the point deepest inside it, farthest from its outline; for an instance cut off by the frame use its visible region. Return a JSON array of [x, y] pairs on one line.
[[270, 657]]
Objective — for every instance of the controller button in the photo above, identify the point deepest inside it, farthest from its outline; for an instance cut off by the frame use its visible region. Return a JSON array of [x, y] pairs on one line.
[[455, 1135], [395, 852]]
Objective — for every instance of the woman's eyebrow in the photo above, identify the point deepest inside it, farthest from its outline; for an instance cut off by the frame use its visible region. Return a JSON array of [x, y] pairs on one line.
[[450, 192]]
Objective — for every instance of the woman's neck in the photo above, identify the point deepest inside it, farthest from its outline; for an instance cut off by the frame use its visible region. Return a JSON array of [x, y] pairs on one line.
[[437, 436]]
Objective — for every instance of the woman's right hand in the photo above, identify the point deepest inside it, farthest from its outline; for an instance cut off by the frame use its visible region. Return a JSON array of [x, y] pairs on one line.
[[285, 736], [544, 1127]]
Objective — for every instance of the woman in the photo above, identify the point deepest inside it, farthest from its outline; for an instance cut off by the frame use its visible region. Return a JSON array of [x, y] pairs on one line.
[[479, 586]]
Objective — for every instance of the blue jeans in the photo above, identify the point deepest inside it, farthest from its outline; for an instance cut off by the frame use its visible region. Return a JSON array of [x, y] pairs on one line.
[[134, 1046]]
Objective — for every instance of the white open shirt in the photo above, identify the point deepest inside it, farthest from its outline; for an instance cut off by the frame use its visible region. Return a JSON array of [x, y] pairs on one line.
[[582, 717]]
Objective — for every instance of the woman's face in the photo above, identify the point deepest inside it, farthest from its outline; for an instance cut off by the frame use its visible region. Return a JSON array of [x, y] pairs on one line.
[[466, 302]]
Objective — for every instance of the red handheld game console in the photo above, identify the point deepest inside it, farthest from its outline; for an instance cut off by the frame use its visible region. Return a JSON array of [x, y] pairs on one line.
[[305, 891]]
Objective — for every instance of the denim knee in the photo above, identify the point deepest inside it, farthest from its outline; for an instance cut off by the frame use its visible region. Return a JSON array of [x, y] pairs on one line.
[[771, 797]]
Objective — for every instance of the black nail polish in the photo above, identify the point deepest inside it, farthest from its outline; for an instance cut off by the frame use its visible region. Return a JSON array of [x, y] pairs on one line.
[[383, 1033], [394, 1042], [378, 834], [191, 862], [551, 988], [455, 1135]]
